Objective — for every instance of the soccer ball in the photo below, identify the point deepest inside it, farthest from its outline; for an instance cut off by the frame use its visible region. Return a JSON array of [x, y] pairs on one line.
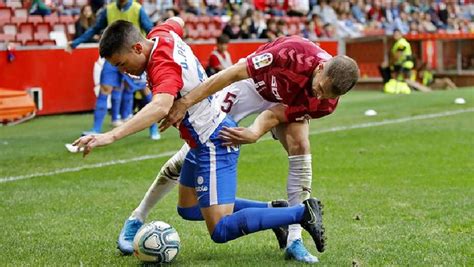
[[156, 242]]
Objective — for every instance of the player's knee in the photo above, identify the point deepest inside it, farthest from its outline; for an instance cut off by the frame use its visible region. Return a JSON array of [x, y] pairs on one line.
[[170, 172], [191, 214], [299, 147], [106, 89], [217, 236]]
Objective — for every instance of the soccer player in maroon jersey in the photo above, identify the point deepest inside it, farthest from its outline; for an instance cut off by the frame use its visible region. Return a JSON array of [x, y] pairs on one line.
[[306, 82]]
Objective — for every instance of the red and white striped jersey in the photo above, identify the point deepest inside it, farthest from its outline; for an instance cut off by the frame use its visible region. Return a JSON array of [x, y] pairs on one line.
[[173, 69]]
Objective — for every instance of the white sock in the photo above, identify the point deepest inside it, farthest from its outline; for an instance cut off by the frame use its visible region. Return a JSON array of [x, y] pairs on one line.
[[298, 187], [165, 180]]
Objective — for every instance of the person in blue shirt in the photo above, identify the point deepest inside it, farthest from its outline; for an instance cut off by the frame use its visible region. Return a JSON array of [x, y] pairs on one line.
[[111, 79]]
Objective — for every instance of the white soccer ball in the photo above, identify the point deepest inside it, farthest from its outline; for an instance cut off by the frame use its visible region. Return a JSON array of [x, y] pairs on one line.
[[156, 242]]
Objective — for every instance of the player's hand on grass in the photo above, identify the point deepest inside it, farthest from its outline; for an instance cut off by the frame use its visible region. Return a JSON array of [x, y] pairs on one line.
[[175, 115], [237, 136], [88, 142]]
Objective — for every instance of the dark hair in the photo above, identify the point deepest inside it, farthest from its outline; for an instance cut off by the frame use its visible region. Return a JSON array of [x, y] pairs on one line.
[[343, 73], [86, 23], [118, 37], [223, 39]]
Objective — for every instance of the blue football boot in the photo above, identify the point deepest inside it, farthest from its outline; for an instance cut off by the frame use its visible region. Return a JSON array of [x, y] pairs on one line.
[[125, 240], [298, 252], [154, 133]]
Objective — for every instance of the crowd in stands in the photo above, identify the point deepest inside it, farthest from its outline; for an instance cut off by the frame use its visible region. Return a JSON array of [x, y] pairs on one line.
[[250, 19]]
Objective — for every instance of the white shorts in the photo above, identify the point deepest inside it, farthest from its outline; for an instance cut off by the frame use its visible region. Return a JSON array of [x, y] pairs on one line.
[[241, 99]]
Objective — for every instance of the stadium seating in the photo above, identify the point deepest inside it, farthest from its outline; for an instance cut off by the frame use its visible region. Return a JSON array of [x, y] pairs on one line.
[[4, 37], [14, 4], [23, 38], [5, 15], [27, 28], [42, 27], [32, 43], [10, 29], [20, 16], [35, 19], [51, 19], [59, 27], [48, 42]]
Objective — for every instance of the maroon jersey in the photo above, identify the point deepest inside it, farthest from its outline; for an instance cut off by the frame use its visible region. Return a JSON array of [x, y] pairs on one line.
[[283, 70]]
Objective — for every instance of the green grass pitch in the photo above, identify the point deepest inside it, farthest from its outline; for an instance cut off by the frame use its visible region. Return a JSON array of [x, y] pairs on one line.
[[399, 192]]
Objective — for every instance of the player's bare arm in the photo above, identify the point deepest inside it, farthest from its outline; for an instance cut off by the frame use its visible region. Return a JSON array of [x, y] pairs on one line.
[[151, 113], [212, 85], [262, 124]]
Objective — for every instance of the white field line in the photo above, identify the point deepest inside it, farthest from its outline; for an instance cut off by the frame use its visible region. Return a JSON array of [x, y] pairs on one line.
[[169, 153]]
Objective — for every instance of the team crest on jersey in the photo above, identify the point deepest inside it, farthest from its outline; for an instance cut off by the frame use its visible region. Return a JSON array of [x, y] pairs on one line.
[[262, 60]]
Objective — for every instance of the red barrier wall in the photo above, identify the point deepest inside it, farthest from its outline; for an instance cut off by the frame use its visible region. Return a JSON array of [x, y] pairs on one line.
[[66, 79]]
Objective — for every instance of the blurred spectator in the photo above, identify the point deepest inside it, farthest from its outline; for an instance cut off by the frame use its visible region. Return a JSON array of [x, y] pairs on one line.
[[214, 7], [375, 11], [358, 9], [309, 31], [282, 28], [318, 25], [426, 77], [329, 19], [327, 13], [193, 7], [426, 23], [329, 31], [298, 8], [248, 30], [155, 9], [38, 7], [85, 21], [232, 29], [346, 26], [259, 22], [271, 31], [220, 58], [402, 23], [260, 5], [170, 12], [96, 5], [401, 65], [276, 7]]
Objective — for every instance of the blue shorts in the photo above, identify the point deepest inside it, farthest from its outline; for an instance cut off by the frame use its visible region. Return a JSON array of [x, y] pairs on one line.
[[211, 169], [111, 76]]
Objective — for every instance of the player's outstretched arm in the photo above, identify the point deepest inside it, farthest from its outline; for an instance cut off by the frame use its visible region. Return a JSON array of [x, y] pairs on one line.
[[262, 124], [215, 83], [151, 113]]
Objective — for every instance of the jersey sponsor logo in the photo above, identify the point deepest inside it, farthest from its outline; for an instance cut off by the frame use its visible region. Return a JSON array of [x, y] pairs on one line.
[[260, 86], [262, 60], [201, 188], [200, 180], [275, 89]]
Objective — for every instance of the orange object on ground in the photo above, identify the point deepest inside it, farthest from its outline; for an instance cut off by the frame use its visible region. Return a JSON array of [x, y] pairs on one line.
[[15, 107]]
